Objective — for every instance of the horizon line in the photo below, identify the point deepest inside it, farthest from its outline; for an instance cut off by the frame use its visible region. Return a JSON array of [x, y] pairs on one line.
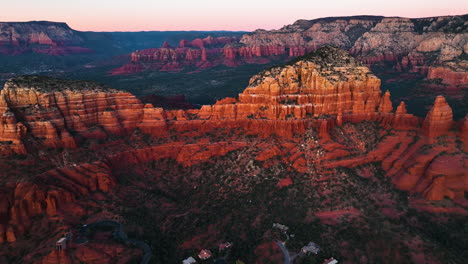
[[222, 30]]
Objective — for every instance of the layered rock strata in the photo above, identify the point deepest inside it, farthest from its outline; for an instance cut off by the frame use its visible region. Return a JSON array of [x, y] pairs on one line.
[[53, 111]]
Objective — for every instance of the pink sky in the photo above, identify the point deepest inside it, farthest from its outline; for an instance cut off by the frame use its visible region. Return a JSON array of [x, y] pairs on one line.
[[248, 15]]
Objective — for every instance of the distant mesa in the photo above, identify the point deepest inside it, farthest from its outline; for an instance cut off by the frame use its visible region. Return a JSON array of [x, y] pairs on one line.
[[51, 38]]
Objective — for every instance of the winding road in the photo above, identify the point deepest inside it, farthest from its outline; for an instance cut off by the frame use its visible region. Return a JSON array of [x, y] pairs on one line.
[[287, 258]]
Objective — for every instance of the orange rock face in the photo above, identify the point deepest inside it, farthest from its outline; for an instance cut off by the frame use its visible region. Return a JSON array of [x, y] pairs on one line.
[[54, 116], [385, 105], [309, 88], [439, 119]]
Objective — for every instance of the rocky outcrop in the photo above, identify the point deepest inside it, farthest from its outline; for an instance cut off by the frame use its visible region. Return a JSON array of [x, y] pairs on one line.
[[449, 75], [385, 105], [40, 37], [53, 111], [199, 53], [387, 41], [439, 119], [311, 87], [47, 193]]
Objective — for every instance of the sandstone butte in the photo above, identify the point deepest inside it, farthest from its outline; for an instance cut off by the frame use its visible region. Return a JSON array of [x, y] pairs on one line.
[[320, 91]]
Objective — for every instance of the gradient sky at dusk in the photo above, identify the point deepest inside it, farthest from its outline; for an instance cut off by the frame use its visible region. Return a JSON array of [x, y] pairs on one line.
[[136, 15]]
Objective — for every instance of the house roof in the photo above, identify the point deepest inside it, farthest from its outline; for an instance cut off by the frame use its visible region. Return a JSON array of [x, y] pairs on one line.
[[204, 254], [330, 261], [225, 245], [189, 260]]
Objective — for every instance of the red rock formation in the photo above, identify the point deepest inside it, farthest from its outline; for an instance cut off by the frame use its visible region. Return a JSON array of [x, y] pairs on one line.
[[56, 188], [401, 109], [403, 120], [310, 88], [200, 53], [448, 76], [385, 105], [276, 101], [439, 119], [53, 116]]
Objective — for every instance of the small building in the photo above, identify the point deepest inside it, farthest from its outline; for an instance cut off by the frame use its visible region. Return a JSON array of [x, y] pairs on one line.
[[311, 248], [281, 227], [224, 246], [61, 244], [204, 254], [189, 260], [330, 261]]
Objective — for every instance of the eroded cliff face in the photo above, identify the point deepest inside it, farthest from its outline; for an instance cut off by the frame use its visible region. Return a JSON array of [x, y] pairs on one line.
[[199, 53], [439, 119], [40, 37], [317, 115], [53, 111], [311, 87], [46, 193], [435, 47]]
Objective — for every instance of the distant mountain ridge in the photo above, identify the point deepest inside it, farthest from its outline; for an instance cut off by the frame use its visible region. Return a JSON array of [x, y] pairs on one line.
[[53, 38], [410, 43], [57, 38]]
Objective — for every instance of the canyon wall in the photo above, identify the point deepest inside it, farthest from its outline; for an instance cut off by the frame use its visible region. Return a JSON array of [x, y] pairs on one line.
[[199, 53], [53, 111]]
